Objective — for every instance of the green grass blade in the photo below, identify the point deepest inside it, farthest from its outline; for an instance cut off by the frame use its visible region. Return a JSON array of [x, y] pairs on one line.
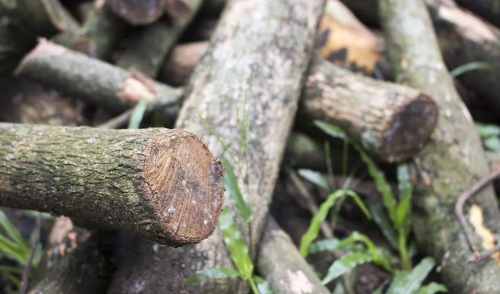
[[262, 285], [469, 67], [487, 130], [409, 283], [331, 130], [10, 269], [235, 244], [403, 210], [314, 177], [383, 222], [334, 244], [344, 264], [137, 114], [359, 203], [12, 231], [13, 251], [15, 281], [433, 288], [230, 182], [380, 289], [211, 273]]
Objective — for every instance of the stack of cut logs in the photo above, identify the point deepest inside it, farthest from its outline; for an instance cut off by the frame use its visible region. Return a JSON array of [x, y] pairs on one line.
[[149, 199]]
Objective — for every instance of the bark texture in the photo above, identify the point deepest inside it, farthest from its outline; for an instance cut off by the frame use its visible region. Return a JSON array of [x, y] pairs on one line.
[[487, 9], [259, 54], [451, 162], [389, 120], [282, 266], [87, 269], [147, 51], [160, 184], [138, 12], [96, 82]]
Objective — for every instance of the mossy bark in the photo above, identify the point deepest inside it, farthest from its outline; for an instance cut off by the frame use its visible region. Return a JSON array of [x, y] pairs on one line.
[[96, 82], [149, 48], [160, 184], [389, 120], [282, 266], [86, 270], [450, 163], [259, 55]]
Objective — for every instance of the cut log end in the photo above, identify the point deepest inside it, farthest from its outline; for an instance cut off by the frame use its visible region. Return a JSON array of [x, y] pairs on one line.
[[184, 183], [138, 12], [410, 127]]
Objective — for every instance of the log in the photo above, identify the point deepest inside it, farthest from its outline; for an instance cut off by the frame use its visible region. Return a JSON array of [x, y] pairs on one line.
[[487, 9], [98, 34], [87, 269], [389, 120], [138, 12], [150, 46], [450, 163], [178, 9], [180, 63], [153, 182], [246, 35], [463, 38], [97, 82]]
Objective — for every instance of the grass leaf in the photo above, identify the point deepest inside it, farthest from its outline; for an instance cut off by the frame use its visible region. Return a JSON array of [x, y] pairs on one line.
[[13, 232], [211, 273], [313, 230], [487, 130], [380, 289], [137, 114], [262, 285], [492, 143], [432, 288], [470, 66], [380, 218], [230, 182], [235, 244], [331, 130], [409, 283], [344, 264], [314, 177]]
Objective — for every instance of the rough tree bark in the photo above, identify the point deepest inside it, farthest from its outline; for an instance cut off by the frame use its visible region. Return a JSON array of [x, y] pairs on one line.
[[463, 37], [259, 54], [389, 120], [451, 162], [147, 51], [160, 184], [96, 82]]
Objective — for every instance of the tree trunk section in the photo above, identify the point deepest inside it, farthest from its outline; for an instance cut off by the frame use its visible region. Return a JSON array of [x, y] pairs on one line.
[[97, 82], [136, 13], [452, 162], [259, 55], [487, 9], [160, 184]]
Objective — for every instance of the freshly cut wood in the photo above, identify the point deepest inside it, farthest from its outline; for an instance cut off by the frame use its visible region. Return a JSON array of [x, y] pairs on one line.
[[160, 184], [487, 9], [180, 63], [138, 12], [259, 55], [97, 82], [150, 46], [450, 163], [86, 270], [389, 120]]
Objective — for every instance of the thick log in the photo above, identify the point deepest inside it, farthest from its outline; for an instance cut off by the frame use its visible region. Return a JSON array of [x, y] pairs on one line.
[[259, 54], [160, 184], [389, 120], [180, 63], [138, 12], [88, 269], [487, 9], [450, 163], [97, 82], [149, 48]]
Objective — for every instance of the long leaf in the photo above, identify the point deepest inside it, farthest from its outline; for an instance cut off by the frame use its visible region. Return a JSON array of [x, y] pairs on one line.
[[409, 283], [314, 177], [137, 114], [380, 289], [12, 231], [344, 264], [230, 182], [262, 285], [313, 230], [470, 66], [331, 130], [383, 222], [433, 288], [211, 273], [235, 244], [403, 210]]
